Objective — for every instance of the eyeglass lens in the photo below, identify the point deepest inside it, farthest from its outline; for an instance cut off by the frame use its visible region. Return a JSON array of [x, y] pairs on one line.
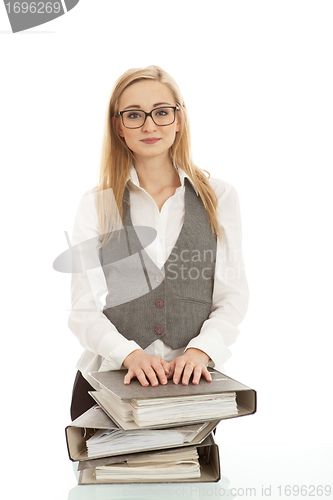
[[161, 116]]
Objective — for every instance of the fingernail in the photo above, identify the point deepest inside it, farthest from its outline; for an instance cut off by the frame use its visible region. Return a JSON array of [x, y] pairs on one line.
[[195, 381], [164, 381]]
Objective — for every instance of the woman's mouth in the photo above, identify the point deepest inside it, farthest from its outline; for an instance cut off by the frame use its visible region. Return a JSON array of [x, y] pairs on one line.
[[152, 140]]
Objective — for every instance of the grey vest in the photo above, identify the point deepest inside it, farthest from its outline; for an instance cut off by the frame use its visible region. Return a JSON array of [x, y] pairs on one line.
[[145, 302]]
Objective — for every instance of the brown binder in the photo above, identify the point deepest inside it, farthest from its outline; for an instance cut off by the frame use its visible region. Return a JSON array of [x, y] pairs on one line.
[[113, 382], [81, 429], [209, 461]]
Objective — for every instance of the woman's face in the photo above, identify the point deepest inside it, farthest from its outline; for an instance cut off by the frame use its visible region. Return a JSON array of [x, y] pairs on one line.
[[147, 95]]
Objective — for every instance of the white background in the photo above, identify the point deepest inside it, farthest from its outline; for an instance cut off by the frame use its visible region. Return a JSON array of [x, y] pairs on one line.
[[257, 79]]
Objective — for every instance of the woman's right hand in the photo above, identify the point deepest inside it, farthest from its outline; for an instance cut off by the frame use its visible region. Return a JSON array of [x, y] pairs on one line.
[[143, 367]]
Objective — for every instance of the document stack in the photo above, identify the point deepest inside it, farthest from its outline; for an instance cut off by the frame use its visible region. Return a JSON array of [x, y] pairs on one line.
[[154, 434]]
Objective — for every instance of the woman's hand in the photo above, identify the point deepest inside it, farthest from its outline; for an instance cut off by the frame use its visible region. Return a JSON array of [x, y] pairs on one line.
[[141, 365], [193, 361]]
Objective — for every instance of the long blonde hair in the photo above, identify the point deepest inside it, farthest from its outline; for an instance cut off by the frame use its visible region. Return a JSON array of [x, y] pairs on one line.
[[117, 158]]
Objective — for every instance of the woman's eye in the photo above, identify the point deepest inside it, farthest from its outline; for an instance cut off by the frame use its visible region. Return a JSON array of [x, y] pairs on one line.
[[162, 112], [133, 116]]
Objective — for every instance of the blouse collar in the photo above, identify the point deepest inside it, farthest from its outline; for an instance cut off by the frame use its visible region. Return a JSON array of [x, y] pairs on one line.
[[133, 177]]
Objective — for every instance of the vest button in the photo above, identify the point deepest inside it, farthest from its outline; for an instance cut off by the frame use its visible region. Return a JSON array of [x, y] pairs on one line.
[[159, 303], [159, 278], [159, 330]]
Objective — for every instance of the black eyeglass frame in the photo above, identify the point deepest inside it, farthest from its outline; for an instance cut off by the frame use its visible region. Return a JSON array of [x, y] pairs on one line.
[[149, 114]]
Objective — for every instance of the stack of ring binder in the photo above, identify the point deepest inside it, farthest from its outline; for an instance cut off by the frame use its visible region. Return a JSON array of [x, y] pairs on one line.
[[154, 434]]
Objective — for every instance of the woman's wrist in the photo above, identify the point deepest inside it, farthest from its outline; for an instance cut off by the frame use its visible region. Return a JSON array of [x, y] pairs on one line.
[[201, 356], [134, 354]]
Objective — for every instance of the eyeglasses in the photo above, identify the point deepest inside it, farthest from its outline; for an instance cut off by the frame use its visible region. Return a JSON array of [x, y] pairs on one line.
[[135, 118]]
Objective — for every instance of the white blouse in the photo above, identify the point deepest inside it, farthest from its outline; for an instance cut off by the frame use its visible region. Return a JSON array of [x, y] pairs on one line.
[[105, 347]]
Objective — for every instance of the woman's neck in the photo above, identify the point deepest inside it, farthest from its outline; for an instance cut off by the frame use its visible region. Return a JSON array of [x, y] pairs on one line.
[[155, 175]]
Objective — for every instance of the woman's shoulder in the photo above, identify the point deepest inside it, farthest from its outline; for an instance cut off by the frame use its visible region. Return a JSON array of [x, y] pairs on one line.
[[91, 191], [223, 189], [88, 198]]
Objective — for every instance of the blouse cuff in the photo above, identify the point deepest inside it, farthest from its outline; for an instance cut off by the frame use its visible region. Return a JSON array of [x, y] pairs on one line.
[[115, 358], [211, 342]]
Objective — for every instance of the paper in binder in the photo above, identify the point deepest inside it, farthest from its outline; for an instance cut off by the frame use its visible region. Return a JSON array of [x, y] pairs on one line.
[[196, 464], [134, 406], [119, 450], [95, 421]]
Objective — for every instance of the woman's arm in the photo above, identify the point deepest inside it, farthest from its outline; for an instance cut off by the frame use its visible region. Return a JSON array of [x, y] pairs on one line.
[[230, 294], [86, 320]]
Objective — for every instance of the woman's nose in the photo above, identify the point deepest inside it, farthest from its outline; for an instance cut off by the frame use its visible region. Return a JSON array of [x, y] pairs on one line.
[[149, 124]]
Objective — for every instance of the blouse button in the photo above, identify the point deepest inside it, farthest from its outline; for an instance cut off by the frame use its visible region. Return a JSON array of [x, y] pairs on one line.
[[159, 278], [159, 330], [159, 303]]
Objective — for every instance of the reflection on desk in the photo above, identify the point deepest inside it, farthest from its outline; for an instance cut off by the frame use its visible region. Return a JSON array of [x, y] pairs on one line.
[[162, 491]]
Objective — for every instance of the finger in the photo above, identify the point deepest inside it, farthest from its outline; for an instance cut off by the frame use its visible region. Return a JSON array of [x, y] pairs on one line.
[[206, 374], [171, 370], [187, 373], [159, 370], [197, 375], [150, 374], [135, 373], [166, 366], [178, 370], [140, 375], [128, 377]]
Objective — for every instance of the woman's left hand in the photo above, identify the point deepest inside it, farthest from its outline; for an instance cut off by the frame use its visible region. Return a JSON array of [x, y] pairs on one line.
[[193, 361]]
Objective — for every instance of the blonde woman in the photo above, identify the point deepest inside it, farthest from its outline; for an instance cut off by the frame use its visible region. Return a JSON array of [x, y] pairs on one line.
[[162, 289]]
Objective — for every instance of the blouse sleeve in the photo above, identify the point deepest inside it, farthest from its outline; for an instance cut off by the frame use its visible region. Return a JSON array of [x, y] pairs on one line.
[[230, 293], [88, 287]]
